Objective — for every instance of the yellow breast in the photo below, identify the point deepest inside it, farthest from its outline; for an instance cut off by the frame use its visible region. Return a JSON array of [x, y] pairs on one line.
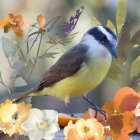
[[87, 78]]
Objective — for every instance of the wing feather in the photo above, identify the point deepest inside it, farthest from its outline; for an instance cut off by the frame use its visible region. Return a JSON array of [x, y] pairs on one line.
[[68, 64]]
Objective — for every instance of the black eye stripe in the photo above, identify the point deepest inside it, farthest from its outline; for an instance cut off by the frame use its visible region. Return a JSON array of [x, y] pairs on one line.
[[98, 34]]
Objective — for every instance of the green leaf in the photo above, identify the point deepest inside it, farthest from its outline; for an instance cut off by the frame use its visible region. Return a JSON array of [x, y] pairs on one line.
[[96, 22], [134, 52], [8, 50], [136, 38], [115, 73], [18, 64], [111, 26], [124, 45], [121, 14], [135, 68], [20, 82], [15, 62]]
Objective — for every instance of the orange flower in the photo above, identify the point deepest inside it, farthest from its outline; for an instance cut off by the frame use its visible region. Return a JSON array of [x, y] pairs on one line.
[[89, 129], [41, 21], [126, 99], [123, 115], [12, 116], [14, 22], [91, 114], [121, 124], [5, 22]]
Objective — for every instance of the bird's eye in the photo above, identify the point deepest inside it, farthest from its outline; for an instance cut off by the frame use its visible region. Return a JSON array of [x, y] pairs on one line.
[[104, 38]]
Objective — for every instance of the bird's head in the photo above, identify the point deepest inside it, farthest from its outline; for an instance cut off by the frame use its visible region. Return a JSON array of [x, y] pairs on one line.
[[104, 37]]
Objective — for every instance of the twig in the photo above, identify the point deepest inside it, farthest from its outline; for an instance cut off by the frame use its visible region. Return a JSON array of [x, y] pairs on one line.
[[134, 83], [37, 32], [36, 58], [55, 20]]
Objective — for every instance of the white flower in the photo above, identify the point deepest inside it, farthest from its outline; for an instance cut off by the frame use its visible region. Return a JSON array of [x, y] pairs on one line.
[[41, 124]]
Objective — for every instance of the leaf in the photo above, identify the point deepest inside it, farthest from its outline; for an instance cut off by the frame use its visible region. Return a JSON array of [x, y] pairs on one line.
[[124, 45], [115, 73], [11, 54], [8, 50], [51, 40], [136, 38], [6, 29], [135, 68], [121, 14], [96, 22], [41, 21], [46, 55], [18, 64], [111, 26], [15, 62], [20, 82], [134, 52]]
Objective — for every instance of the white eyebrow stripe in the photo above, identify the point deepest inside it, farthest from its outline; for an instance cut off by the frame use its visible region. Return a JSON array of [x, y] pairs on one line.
[[108, 35]]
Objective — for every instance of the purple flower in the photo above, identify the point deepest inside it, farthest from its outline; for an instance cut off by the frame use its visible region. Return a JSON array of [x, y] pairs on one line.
[[69, 26]]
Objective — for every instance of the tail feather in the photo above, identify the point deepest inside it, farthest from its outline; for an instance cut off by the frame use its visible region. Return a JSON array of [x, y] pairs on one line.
[[21, 98]]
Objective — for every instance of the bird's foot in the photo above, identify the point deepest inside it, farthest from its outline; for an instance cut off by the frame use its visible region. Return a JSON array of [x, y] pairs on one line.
[[97, 109], [70, 110]]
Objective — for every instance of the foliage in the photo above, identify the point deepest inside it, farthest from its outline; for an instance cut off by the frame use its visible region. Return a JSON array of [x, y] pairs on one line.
[[125, 70], [123, 114], [18, 58], [14, 117]]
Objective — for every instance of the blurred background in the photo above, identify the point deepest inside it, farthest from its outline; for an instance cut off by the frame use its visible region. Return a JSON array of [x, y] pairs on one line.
[[30, 9]]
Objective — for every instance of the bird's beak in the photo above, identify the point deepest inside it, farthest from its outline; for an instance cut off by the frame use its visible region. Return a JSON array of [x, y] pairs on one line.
[[113, 51]]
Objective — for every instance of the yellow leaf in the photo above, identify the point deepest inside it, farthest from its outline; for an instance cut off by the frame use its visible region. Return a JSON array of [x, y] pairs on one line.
[[121, 14], [111, 26], [135, 68], [96, 22]]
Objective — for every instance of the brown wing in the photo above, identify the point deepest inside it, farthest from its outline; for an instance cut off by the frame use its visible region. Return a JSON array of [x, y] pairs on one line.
[[68, 64]]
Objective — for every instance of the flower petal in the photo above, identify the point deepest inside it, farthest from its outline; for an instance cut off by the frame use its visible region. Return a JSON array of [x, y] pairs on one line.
[[91, 114], [50, 115], [108, 107], [126, 99]]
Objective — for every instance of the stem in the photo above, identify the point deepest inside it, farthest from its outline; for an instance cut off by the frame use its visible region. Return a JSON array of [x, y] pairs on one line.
[[34, 41], [55, 20], [36, 58], [37, 32], [134, 83]]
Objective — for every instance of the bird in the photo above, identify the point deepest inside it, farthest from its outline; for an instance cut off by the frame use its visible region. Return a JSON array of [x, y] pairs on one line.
[[80, 69]]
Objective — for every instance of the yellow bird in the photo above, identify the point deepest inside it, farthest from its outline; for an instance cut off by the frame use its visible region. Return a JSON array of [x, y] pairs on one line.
[[80, 69]]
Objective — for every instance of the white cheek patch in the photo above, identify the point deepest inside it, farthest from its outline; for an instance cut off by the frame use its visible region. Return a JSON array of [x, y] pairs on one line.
[[108, 35], [95, 48]]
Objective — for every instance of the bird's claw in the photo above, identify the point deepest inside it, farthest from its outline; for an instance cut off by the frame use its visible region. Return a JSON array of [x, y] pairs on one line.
[[97, 109]]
